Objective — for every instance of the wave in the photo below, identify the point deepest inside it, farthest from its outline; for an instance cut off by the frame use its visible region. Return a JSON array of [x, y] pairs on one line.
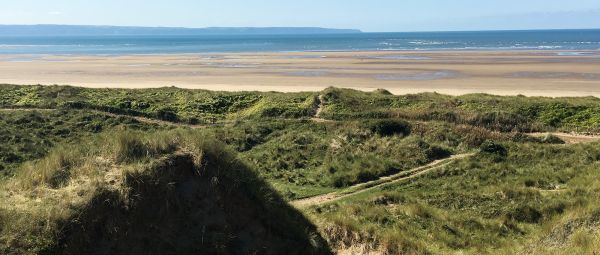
[[576, 41]]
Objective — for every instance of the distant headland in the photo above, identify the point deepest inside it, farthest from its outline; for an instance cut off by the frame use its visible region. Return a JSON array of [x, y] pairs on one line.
[[82, 30]]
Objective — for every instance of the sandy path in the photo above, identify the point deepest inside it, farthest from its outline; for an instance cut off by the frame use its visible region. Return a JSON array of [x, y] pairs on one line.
[[365, 187], [154, 121], [571, 138], [116, 115], [26, 109], [320, 108]]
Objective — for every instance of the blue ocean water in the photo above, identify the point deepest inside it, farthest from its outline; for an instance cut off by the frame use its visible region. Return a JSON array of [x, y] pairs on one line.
[[482, 40]]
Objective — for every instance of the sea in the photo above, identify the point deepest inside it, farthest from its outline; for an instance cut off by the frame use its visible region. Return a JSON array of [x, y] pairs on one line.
[[567, 40]]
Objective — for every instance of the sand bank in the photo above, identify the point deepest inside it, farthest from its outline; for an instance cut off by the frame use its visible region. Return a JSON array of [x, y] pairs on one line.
[[531, 73]]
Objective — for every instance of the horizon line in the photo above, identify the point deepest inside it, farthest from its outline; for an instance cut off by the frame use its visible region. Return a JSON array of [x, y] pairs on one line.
[[313, 27]]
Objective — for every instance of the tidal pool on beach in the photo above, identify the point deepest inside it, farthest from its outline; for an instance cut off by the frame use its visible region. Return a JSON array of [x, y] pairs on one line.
[[556, 75], [420, 76], [571, 53], [304, 56], [402, 57], [307, 73]]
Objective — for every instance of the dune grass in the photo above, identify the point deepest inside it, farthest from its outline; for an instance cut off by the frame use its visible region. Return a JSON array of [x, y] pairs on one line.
[[502, 113], [322, 156], [492, 203], [45, 207], [29, 135], [169, 104], [519, 194]]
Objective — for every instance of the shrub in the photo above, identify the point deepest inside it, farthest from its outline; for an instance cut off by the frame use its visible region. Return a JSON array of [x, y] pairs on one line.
[[492, 147], [365, 176], [436, 152], [331, 94], [501, 121], [389, 127], [388, 199], [383, 92], [193, 121], [167, 115], [75, 105], [10, 157], [552, 139], [526, 214]]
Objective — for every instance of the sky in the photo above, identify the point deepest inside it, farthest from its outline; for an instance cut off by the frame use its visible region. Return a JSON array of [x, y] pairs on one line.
[[369, 16]]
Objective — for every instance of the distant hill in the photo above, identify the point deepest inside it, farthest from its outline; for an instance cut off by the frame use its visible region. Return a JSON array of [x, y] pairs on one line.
[[63, 30]]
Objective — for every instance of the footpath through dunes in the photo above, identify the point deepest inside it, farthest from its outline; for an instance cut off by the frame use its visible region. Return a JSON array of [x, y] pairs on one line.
[[570, 138], [320, 106], [138, 118], [367, 186], [174, 192]]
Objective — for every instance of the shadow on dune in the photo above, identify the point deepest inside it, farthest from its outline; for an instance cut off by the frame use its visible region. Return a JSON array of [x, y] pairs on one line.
[[190, 204]]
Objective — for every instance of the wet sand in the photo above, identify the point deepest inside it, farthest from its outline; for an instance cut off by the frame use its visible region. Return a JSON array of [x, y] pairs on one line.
[[531, 73]]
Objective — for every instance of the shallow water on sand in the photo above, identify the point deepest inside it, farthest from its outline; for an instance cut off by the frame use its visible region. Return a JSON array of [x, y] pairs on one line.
[[422, 76]]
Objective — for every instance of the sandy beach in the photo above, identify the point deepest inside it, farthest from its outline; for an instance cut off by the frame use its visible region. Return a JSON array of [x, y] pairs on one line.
[[530, 73]]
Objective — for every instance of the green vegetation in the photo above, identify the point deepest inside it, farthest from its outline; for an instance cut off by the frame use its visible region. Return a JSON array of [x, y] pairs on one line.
[[160, 193], [549, 138], [170, 104], [389, 127], [321, 156], [122, 167], [538, 194], [28, 135], [492, 112], [201, 106]]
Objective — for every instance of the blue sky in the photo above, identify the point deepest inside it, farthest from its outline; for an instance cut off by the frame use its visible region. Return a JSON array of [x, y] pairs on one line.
[[372, 15]]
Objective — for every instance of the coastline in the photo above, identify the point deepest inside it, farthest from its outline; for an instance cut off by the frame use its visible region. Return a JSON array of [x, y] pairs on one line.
[[552, 73]]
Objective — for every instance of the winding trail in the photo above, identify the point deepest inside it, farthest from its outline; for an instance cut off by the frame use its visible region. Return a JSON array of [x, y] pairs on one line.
[[320, 99], [570, 138], [156, 121], [26, 109], [367, 186], [316, 117], [320, 107], [116, 115]]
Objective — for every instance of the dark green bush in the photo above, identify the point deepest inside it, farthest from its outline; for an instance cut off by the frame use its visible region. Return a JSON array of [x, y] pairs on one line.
[[526, 214], [193, 121], [436, 152], [383, 92], [389, 127], [492, 147], [502, 121], [10, 157], [75, 105], [331, 94], [167, 114]]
